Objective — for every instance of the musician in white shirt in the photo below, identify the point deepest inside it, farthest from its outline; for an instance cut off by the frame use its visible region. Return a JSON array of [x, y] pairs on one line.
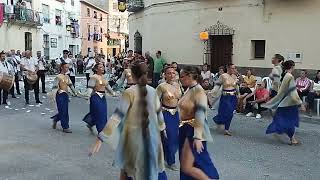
[[3, 69], [42, 71], [30, 66], [17, 60]]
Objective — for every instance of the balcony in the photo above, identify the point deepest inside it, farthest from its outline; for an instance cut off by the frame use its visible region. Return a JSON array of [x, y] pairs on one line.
[[135, 5], [22, 16]]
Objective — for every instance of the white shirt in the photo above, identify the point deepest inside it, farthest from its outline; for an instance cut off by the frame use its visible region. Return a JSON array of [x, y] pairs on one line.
[[91, 62], [3, 67], [29, 64], [18, 60], [41, 63], [71, 65], [206, 75]]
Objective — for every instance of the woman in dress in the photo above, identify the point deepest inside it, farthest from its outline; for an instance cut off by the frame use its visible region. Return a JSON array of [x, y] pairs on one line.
[[194, 131], [169, 93], [286, 103], [134, 128], [97, 86], [228, 99], [60, 89]]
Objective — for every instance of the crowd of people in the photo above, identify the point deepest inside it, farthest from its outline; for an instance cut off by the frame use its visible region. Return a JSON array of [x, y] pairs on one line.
[[162, 109]]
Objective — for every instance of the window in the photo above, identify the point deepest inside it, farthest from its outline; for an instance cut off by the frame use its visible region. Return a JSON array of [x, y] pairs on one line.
[[258, 49], [89, 32], [46, 49], [95, 15], [88, 12], [72, 2], [89, 50], [58, 17], [28, 41], [54, 43], [101, 30], [101, 50], [95, 27], [100, 17], [46, 13]]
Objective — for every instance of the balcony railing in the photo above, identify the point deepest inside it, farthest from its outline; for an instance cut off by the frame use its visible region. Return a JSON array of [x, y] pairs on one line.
[[135, 5], [21, 15]]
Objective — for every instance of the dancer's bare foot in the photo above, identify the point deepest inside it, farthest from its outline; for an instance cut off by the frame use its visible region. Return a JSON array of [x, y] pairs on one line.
[[294, 142]]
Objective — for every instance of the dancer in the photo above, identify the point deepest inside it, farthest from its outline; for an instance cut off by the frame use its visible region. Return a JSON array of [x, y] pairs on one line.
[[275, 74], [135, 129], [228, 99], [61, 84], [126, 77], [194, 131], [98, 105], [286, 103], [169, 93]]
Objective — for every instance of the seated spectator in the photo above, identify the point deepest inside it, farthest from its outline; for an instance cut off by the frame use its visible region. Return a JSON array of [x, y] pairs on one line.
[[205, 72], [222, 70], [261, 96], [250, 79], [244, 92], [303, 84], [313, 94]]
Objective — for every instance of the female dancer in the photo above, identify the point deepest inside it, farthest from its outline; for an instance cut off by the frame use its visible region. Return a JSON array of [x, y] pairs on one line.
[[169, 93], [228, 99], [287, 103], [194, 131], [126, 76], [135, 129], [98, 105], [60, 86]]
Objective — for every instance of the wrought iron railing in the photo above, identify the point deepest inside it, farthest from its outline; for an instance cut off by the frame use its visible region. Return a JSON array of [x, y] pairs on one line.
[[135, 5], [22, 15]]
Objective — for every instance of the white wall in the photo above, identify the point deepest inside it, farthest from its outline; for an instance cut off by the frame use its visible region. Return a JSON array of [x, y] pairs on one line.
[[287, 26], [59, 32]]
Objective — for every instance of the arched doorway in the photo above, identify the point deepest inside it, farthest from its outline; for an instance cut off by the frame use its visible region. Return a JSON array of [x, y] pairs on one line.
[[219, 46]]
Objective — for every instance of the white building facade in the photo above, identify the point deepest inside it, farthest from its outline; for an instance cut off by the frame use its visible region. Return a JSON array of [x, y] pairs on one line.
[[61, 27], [20, 25], [245, 32]]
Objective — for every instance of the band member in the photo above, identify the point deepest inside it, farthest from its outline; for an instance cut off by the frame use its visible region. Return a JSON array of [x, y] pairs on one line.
[[169, 93], [286, 103], [17, 57], [98, 105], [13, 67], [30, 67], [135, 128], [228, 98], [42, 71], [89, 63], [61, 84], [194, 131], [275, 74], [126, 77], [3, 69]]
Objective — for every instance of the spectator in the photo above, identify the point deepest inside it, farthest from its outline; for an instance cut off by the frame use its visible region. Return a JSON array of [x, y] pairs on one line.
[[313, 94], [159, 63], [261, 96], [303, 84], [244, 92], [250, 79], [205, 72]]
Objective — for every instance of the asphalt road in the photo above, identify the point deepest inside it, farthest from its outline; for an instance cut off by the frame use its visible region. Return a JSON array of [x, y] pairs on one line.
[[30, 149]]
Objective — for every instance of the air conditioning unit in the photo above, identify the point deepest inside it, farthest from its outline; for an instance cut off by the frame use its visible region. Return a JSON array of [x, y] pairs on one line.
[[295, 56]]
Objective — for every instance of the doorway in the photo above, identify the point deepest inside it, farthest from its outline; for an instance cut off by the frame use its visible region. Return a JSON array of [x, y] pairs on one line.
[[221, 51]]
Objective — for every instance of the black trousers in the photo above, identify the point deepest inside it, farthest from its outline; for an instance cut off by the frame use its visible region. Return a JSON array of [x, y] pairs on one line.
[[73, 80], [303, 93], [42, 76], [250, 108], [88, 77], [310, 99], [28, 87], [4, 97], [16, 84]]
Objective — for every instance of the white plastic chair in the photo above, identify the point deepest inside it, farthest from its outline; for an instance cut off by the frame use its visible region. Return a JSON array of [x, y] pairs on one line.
[[268, 82]]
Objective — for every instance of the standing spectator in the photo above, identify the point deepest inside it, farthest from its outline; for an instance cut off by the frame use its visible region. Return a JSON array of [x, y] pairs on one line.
[[3, 69], [206, 73], [89, 65], [80, 64], [72, 68], [42, 71], [159, 63], [150, 64], [261, 96], [314, 93], [303, 84], [276, 74], [250, 79]]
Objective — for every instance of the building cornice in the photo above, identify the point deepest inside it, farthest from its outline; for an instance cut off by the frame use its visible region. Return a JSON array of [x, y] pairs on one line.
[[93, 6]]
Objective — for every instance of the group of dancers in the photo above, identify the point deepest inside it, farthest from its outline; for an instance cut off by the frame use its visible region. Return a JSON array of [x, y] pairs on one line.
[[150, 126]]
